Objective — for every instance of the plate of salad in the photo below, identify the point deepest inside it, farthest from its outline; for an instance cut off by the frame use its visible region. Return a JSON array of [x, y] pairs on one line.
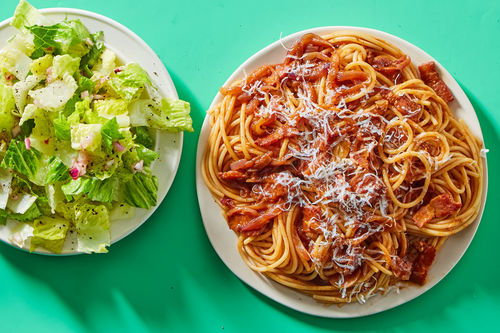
[[90, 131]]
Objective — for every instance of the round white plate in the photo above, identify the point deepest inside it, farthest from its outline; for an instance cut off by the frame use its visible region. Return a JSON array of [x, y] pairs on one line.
[[224, 240], [129, 48]]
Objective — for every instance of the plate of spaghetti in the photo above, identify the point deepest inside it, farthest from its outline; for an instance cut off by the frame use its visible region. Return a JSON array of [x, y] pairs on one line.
[[341, 165]]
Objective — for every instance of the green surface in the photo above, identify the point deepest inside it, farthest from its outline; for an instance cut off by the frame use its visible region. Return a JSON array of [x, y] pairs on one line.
[[166, 276]]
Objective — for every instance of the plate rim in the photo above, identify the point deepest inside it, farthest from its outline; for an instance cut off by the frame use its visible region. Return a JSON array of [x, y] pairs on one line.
[[200, 184], [169, 86]]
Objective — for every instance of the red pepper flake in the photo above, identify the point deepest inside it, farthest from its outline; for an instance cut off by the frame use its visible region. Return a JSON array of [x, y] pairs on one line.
[[118, 70], [46, 141]]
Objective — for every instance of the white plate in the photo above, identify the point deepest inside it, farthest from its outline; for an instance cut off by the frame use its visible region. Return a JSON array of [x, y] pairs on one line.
[[129, 48], [224, 240]]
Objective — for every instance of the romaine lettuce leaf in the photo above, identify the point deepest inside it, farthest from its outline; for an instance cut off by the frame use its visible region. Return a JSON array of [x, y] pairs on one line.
[[92, 227], [141, 191], [62, 128], [3, 216], [143, 137], [86, 137], [65, 65], [40, 65], [5, 181], [173, 115], [26, 15], [95, 189], [49, 233], [56, 171], [56, 94], [22, 88], [15, 62], [22, 160], [91, 58], [110, 133], [105, 65], [129, 82], [145, 154], [29, 215], [66, 37], [29, 112], [22, 203], [7, 105]]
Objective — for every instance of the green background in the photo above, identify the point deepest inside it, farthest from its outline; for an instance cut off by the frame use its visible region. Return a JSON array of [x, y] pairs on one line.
[[166, 276]]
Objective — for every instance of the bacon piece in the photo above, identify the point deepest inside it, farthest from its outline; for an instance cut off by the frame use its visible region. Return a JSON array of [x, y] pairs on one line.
[[257, 163], [430, 76], [232, 175], [272, 189], [385, 65], [351, 76], [424, 257], [423, 216], [444, 205], [311, 220], [402, 268], [280, 133], [366, 159], [440, 206], [347, 258], [304, 44], [402, 103], [261, 221], [406, 106]]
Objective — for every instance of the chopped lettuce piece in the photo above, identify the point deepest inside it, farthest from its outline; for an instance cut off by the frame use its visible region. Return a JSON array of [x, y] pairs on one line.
[[26, 128], [54, 197], [26, 15], [32, 213], [7, 105], [110, 133], [22, 42], [65, 65], [77, 186], [56, 171], [66, 37], [29, 112], [105, 65], [86, 137], [5, 181], [54, 96], [22, 160], [15, 62], [49, 233], [129, 82], [90, 59], [92, 227], [85, 84], [3, 216], [109, 108], [145, 154], [22, 203], [95, 189], [173, 115], [40, 65], [141, 191], [22, 88], [62, 128], [143, 137]]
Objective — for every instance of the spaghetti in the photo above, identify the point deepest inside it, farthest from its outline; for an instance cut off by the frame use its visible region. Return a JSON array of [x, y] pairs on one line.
[[342, 169]]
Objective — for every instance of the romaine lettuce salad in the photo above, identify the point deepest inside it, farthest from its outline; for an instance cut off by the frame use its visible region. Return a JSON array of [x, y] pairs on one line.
[[76, 141]]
